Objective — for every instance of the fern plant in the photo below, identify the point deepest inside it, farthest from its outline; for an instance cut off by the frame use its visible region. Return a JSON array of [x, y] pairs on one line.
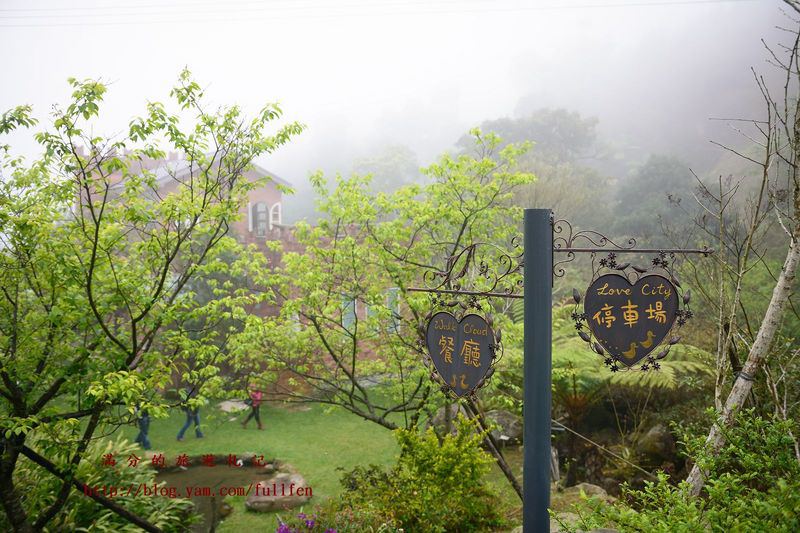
[[580, 377]]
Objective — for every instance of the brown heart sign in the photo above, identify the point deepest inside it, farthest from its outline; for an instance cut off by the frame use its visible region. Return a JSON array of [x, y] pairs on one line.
[[461, 350], [629, 319]]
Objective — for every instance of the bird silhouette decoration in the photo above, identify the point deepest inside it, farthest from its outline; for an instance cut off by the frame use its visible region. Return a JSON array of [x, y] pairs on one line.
[[631, 353], [649, 342]]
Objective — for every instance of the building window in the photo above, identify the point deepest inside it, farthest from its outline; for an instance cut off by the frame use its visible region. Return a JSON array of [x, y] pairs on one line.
[[260, 219], [275, 215], [348, 311]]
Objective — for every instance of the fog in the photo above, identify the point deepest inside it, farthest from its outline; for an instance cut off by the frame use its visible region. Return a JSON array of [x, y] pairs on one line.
[[366, 75]]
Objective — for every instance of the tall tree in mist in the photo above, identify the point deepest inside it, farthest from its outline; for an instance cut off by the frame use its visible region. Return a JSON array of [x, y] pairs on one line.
[[778, 135], [563, 144], [643, 199], [390, 168]]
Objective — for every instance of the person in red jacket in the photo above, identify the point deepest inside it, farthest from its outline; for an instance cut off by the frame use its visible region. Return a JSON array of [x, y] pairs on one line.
[[255, 406]]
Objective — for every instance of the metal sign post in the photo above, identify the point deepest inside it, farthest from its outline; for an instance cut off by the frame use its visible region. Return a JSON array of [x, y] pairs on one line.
[[538, 275], [543, 238]]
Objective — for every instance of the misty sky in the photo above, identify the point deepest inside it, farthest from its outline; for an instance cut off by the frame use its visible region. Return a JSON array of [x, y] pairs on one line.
[[363, 75]]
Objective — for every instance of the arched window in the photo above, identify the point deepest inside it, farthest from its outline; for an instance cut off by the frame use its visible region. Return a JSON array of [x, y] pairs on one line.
[[260, 219], [275, 215]]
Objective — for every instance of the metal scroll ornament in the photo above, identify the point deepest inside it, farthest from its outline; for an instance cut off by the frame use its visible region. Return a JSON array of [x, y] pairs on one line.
[[629, 312], [568, 241], [480, 270]]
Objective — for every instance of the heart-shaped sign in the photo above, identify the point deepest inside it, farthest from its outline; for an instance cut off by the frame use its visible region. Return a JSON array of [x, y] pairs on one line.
[[630, 320], [461, 350]]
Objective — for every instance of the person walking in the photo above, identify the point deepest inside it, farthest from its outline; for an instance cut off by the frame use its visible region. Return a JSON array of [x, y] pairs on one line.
[[143, 421], [192, 415], [255, 406]]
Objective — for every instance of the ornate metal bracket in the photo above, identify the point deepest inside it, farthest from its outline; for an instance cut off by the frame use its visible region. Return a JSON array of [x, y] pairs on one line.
[[484, 270], [471, 265], [478, 271], [568, 241], [474, 264]]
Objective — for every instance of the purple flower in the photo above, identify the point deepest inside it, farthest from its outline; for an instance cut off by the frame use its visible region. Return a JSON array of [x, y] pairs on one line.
[[283, 528], [309, 524], [330, 530], [301, 516]]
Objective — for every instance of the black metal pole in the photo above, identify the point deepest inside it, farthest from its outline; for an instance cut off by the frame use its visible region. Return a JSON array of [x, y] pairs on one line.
[[538, 277]]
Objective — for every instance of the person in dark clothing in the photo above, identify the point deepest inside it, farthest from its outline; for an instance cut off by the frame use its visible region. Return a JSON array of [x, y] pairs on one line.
[[192, 415], [143, 421], [255, 406]]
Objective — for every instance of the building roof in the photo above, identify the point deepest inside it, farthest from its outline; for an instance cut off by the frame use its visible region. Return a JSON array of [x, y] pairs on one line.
[[177, 168], [274, 177]]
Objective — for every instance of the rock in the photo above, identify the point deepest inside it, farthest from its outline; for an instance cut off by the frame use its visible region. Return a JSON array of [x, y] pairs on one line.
[[591, 491], [588, 489], [509, 430], [567, 518], [284, 491], [232, 406], [509, 425], [225, 509], [611, 485], [658, 443], [438, 419]]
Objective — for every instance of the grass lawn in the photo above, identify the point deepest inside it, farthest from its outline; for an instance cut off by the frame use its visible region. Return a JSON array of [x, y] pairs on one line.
[[314, 439], [513, 456]]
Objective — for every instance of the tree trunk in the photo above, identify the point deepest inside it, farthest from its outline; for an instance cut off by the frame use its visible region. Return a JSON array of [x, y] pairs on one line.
[[475, 413], [9, 495], [758, 354]]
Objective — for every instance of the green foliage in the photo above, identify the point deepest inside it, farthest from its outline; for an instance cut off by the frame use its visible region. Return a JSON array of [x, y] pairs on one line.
[[588, 397], [82, 513], [753, 484], [348, 314], [100, 260], [560, 135], [563, 142], [645, 197], [580, 377], [341, 517], [434, 487], [392, 167]]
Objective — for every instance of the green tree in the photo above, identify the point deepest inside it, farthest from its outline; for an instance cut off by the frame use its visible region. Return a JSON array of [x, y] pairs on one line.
[[349, 319], [563, 142], [97, 257], [644, 200], [778, 136], [390, 168], [561, 136]]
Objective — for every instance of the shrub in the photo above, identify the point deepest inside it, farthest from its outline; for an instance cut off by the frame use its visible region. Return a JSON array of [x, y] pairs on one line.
[[753, 485], [335, 516], [82, 513], [434, 487]]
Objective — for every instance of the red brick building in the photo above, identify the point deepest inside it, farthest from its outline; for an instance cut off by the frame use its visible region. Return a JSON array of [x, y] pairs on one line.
[[261, 218]]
